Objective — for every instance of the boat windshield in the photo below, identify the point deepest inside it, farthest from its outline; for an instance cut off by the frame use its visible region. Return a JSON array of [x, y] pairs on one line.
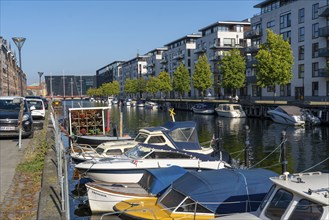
[[141, 138], [138, 152], [306, 209], [278, 204], [184, 135], [171, 199], [99, 150], [237, 107]]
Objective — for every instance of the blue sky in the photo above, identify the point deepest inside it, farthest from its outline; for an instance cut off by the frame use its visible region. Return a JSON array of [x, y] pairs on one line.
[[79, 37]]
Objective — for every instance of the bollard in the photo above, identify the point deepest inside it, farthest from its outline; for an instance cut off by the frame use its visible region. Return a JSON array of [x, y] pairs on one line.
[[284, 161]]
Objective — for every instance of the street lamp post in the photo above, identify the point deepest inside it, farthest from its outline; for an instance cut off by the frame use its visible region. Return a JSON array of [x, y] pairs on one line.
[[19, 42], [40, 87]]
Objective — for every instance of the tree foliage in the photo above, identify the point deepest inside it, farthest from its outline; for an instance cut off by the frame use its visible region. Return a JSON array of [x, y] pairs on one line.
[[165, 84], [202, 77], [109, 89], [152, 85], [181, 80], [130, 86], [233, 67], [274, 61]]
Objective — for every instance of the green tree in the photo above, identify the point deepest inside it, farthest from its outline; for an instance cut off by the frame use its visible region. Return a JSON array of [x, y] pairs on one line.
[[181, 80], [109, 89], [141, 86], [274, 62], [165, 84], [152, 85], [91, 91], [233, 67], [130, 86], [202, 77]]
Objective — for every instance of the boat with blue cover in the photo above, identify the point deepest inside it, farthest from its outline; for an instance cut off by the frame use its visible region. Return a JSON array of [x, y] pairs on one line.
[[103, 196], [203, 195]]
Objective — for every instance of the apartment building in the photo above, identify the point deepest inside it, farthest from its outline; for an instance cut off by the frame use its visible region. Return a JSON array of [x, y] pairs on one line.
[[133, 69], [305, 24], [216, 40], [180, 51], [12, 78], [153, 60], [108, 73]]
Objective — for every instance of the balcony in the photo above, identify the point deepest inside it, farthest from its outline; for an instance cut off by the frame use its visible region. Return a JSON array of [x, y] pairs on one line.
[[324, 31], [200, 50], [324, 11], [251, 63], [251, 79], [151, 65], [324, 72], [324, 52], [252, 34], [178, 57], [215, 46], [252, 49], [164, 61]]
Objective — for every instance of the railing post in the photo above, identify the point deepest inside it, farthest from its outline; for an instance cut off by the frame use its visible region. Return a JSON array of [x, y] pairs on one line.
[[284, 161]]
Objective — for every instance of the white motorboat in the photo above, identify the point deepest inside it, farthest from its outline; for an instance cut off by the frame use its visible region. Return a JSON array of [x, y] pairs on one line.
[[296, 196], [287, 114], [130, 167], [103, 196], [203, 108], [140, 103], [230, 110], [127, 102], [151, 105], [177, 135], [115, 101]]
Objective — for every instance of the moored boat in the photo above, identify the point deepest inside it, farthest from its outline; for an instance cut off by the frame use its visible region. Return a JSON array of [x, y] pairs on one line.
[[103, 196], [130, 167], [151, 105], [287, 114], [203, 195], [293, 196], [230, 110], [203, 108]]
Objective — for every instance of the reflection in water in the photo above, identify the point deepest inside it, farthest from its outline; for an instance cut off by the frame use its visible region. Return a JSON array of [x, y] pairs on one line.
[[305, 146]]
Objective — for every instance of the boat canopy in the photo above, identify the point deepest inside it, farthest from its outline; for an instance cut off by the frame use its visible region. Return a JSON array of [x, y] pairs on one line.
[[156, 181], [290, 109], [226, 191]]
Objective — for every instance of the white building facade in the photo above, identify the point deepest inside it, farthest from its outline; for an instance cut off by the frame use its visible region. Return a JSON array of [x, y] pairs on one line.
[[306, 25]]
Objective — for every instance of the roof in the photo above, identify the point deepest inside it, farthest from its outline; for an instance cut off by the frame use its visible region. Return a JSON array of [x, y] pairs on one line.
[[225, 23], [161, 178], [226, 190], [263, 3], [301, 183]]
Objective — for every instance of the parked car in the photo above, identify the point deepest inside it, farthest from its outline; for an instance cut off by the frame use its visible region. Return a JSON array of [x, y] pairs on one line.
[[40, 111], [45, 101], [9, 117]]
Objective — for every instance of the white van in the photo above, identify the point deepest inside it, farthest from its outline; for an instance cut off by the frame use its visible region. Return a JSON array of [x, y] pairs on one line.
[[40, 110]]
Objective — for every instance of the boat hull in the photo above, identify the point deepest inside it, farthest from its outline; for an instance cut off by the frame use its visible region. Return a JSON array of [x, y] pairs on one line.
[[285, 119], [103, 197], [231, 114]]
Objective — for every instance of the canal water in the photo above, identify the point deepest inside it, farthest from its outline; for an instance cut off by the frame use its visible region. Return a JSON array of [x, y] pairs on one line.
[[306, 147]]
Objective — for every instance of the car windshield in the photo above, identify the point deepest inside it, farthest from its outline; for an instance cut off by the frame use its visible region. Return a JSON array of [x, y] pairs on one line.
[[10, 105], [36, 104]]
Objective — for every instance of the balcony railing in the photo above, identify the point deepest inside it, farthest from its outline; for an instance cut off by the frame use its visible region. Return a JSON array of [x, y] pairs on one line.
[[324, 11], [324, 72], [178, 57], [324, 52], [215, 46], [251, 79], [324, 31], [252, 34], [252, 49], [251, 63], [200, 50]]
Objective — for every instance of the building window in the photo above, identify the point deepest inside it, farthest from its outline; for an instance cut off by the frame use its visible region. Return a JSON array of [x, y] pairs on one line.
[[285, 90], [315, 69], [315, 30], [256, 91], [315, 88], [270, 88], [287, 36], [270, 24], [315, 50], [285, 20], [315, 11], [301, 34], [301, 15], [301, 52], [301, 70]]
